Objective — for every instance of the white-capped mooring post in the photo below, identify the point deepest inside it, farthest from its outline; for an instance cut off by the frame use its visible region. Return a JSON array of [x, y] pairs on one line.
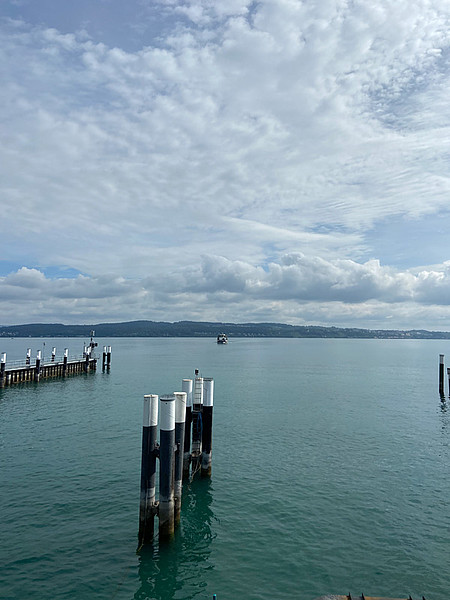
[[441, 375], [53, 353], [66, 356], [208, 401], [108, 358], [2, 370], [28, 357], [186, 386], [37, 369], [166, 465], [147, 507], [180, 419]]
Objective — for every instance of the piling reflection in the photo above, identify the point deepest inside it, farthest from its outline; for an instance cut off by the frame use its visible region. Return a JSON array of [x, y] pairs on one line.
[[183, 563], [444, 414]]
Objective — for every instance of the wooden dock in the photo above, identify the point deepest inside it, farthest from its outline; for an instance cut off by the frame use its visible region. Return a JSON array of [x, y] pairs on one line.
[[35, 373]]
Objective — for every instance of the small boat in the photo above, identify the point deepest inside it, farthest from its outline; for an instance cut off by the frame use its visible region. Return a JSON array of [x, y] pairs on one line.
[[222, 338]]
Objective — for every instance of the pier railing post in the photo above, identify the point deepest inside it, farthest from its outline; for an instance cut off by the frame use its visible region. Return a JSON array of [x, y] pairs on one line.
[[2, 370], [186, 386], [166, 463], [37, 369], [441, 375], [208, 402], [180, 419], [148, 470]]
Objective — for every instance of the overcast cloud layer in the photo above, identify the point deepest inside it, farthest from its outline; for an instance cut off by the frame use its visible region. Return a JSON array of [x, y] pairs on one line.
[[242, 161]]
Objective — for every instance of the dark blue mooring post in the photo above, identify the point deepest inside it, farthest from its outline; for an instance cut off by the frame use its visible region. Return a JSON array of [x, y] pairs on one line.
[[2, 370], [187, 387], [180, 418], [208, 401], [66, 356], [148, 470], [166, 465], [37, 368], [441, 375], [197, 424]]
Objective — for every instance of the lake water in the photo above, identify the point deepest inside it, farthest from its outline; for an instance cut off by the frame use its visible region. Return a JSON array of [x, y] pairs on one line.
[[331, 473]]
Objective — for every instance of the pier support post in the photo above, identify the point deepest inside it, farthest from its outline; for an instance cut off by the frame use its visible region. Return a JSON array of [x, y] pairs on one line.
[[66, 356], [2, 370], [148, 470], [186, 386], [441, 375], [166, 456], [180, 418], [208, 402], [37, 369]]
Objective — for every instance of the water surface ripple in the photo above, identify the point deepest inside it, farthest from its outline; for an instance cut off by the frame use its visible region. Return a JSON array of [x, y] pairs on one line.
[[330, 474]]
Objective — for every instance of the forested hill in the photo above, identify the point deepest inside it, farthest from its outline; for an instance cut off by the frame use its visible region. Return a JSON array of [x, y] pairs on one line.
[[205, 329]]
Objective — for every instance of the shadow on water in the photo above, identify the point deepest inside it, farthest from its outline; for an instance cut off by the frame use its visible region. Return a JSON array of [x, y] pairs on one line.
[[179, 568]]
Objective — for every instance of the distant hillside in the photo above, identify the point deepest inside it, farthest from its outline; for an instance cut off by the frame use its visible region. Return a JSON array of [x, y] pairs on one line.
[[205, 329]]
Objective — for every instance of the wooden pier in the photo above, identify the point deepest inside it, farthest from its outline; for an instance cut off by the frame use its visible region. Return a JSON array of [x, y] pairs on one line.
[[35, 373], [23, 371]]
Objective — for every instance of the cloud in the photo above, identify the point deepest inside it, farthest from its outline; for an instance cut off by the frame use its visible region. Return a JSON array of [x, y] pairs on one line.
[[251, 132], [298, 289]]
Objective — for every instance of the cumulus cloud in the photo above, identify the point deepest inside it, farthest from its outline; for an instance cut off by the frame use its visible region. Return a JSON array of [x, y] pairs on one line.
[[297, 289], [270, 138]]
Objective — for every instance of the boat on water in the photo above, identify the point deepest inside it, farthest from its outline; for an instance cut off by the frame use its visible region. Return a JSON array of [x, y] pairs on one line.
[[222, 338]]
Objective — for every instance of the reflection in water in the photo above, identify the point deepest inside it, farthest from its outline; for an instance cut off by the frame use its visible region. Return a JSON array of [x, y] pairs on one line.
[[178, 568], [444, 415]]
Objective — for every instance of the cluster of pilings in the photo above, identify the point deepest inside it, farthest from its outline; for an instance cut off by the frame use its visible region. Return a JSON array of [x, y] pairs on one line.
[[198, 437], [184, 417], [442, 378], [106, 358]]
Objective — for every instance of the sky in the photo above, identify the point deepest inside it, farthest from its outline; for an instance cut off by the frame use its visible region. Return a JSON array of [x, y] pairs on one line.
[[240, 161]]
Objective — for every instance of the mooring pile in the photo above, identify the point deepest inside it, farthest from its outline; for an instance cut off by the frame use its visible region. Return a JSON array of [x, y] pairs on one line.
[[185, 426], [442, 378]]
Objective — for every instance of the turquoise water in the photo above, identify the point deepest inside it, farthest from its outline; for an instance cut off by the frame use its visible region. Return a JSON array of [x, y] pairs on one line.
[[331, 463]]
